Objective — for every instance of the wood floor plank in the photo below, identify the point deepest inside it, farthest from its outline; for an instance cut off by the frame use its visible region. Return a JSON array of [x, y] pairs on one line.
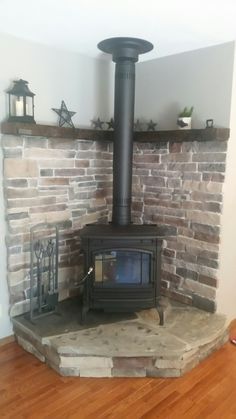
[[31, 390], [131, 401]]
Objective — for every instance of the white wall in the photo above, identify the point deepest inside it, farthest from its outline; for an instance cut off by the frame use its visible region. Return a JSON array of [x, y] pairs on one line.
[[226, 296], [53, 74], [200, 78], [5, 325]]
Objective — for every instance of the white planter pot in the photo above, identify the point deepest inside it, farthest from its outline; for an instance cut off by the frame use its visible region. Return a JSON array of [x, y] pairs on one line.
[[184, 122]]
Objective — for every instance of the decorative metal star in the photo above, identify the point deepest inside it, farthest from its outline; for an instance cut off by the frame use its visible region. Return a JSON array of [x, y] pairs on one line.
[[97, 123], [65, 115], [110, 124], [137, 126], [151, 125]]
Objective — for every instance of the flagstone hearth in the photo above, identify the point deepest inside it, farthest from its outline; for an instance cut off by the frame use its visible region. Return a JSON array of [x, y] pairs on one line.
[[122, 345]]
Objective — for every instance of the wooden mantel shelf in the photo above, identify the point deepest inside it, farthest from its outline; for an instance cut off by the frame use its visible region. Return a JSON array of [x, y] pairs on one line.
[[207, 134]]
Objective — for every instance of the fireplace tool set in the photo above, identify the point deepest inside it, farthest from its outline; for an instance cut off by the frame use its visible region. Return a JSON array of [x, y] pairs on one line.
[[43, 270]]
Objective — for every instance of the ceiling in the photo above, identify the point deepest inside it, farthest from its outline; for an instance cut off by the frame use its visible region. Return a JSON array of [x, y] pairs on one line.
[[173, 26]]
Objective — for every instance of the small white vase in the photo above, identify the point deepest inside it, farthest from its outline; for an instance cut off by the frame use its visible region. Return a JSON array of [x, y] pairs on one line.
[[184, 122]]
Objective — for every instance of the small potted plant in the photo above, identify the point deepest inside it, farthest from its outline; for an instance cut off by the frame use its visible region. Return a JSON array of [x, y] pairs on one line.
[[185, 118]]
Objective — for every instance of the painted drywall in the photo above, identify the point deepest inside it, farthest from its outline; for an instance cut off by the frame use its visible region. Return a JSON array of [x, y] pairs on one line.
[[53, 74], [5, 324], [78, 25], [226, 295], [200, 78]]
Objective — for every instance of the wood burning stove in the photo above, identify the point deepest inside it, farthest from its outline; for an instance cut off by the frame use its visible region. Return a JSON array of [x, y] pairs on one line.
[[126, 267], [123, 260]]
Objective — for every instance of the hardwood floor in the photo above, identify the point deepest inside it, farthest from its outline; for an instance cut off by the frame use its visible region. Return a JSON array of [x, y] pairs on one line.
[[30, 389]]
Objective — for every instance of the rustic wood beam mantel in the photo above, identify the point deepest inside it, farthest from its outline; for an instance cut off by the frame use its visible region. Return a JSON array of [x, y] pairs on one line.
[[207, 134], [55, 132]]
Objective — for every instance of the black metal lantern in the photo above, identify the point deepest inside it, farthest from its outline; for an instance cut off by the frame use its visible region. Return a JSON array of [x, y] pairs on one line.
[[21, 103]]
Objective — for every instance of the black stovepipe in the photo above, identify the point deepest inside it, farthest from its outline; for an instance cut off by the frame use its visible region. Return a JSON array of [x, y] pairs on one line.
[[125, 52]]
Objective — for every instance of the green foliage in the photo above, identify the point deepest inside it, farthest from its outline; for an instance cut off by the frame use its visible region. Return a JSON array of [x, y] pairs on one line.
[[186, 113]]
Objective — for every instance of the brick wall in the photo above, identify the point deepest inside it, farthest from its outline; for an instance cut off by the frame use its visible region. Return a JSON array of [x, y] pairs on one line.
[[179, 187], [175, 185], [51, 180]]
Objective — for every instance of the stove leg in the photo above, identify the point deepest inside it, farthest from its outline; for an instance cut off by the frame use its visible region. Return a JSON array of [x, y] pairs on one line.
[[161, 315], [84, 312]]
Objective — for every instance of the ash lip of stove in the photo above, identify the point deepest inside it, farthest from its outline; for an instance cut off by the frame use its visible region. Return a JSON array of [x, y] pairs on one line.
[[125, 258]]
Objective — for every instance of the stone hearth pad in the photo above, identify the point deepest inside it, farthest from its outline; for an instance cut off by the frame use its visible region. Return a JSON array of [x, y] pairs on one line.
[[122, 345]]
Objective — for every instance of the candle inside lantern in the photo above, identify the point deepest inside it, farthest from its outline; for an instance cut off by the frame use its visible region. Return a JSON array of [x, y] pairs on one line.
[[19, 108], [21, 103]]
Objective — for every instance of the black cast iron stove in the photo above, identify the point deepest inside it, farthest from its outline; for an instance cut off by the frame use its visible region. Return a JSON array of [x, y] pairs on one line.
[[123, 259]]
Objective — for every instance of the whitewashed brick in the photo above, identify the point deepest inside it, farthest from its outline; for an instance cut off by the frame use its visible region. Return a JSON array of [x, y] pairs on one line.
[[15, 168]]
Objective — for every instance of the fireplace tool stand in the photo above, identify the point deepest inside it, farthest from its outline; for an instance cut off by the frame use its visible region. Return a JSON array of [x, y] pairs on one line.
[[43, 270]]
